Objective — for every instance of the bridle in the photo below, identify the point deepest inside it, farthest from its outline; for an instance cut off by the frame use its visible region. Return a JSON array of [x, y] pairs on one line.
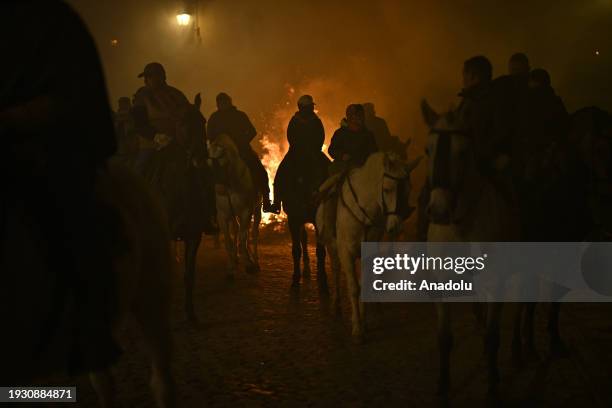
[[366, 220]]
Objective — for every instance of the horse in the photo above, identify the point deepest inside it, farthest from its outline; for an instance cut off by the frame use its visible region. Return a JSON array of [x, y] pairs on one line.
[[586, 166], [298, 200], [238, 204], [464, 206], [42, 337], [371, 200]]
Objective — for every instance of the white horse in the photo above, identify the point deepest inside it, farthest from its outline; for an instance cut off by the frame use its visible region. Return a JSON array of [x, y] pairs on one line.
[[140, 298], [367, 206], [463, 206], [238, 204]]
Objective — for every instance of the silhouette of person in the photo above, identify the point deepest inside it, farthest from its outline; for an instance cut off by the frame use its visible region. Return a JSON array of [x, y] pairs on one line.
[[227, 119], [58, 133]]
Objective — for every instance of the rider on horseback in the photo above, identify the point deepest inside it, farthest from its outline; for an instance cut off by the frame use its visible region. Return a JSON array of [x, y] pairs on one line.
[[160, 103], [236, 124], [305, 135], [170, 153], [352, 144]]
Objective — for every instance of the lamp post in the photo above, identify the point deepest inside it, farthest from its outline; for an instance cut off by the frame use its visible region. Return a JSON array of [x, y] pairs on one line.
[[188, 16]]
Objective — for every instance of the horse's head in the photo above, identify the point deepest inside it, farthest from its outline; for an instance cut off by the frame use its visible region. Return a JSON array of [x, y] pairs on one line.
[[221, 151], [395, 190], [190, 129], [449, 152]]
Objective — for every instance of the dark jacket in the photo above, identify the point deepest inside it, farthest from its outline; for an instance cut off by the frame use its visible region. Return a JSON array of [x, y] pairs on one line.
[[235, 124], [357, 144], [543, 124], [305, 134]]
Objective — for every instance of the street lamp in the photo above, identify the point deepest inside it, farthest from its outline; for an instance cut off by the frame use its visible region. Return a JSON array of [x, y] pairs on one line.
[[188, 17], [183, 19]]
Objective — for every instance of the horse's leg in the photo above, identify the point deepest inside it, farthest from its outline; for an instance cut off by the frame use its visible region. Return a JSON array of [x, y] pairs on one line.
[[492, 345], [445, 345], [336, 270], [347, 263], [225, 226], [296, 250], [243, 240], [104, 385], [305, 256], [557, 346], [191, 251], [530, 348], [156, 334], [255, 235], [321, 274], [517, 338]]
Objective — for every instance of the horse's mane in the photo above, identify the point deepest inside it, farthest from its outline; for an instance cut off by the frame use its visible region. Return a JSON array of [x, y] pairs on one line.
[[238, 169], [384, 162], [374, 163], [228, 144]]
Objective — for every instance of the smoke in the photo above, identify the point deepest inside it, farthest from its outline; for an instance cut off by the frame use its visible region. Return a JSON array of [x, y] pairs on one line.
[[389, 52]]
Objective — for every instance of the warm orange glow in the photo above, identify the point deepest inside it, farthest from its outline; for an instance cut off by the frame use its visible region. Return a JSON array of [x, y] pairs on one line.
[[114, 42], [183, 19]]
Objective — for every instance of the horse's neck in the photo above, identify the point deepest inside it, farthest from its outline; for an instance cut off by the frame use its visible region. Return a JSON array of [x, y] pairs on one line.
[[484, 213], [239, 173], [366, 184]]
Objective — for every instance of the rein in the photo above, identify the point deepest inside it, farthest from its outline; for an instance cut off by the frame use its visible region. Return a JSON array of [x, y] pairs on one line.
[[369, 221]]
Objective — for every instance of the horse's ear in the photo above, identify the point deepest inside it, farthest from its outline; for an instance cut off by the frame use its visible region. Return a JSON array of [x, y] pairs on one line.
[[411, 165], [406, 148], [197, 101], [429, 115]]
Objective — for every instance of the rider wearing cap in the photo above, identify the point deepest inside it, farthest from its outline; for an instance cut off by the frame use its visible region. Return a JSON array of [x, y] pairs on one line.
[[236, 124], [305, 135], [157, 106]]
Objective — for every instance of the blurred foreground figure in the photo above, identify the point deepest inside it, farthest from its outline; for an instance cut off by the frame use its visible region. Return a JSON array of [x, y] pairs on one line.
[[84, 240], [57, 134], [236, 124]]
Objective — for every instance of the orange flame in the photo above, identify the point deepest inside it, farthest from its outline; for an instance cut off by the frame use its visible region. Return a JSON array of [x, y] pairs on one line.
[[275, 145]]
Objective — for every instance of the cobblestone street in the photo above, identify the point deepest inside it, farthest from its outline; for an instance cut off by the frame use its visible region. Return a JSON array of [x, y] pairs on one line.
[[261, 344]]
